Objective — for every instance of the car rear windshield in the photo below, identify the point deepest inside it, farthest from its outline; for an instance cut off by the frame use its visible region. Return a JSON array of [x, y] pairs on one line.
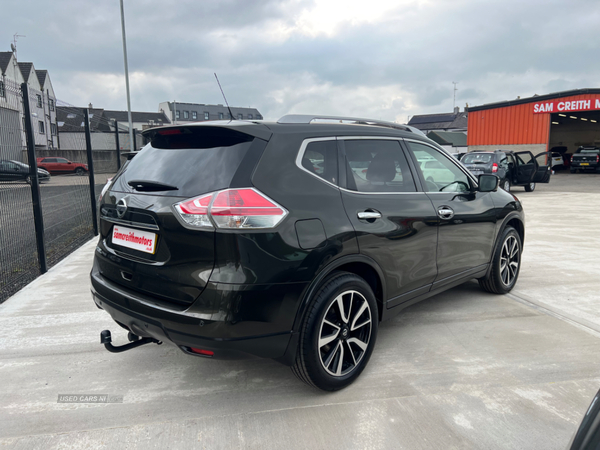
[[188, 161], [476, 158], [593, 151]]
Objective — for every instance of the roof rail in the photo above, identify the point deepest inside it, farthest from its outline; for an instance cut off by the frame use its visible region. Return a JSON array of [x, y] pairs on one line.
[[307, 118]]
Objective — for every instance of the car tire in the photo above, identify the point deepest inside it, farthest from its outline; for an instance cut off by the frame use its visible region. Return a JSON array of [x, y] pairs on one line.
[[338, 333], [506, 185], [530, 187], [79, 171], [506, 264]]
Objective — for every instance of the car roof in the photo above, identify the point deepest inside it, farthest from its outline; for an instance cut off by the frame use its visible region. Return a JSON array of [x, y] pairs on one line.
[[264, 129]]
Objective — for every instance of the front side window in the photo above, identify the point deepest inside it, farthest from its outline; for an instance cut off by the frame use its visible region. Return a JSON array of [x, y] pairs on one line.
[[320, 159], [377, 165], [62, 160], [439, 171]]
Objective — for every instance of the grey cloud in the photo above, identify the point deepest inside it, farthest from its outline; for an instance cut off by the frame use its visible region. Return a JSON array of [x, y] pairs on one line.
[[495, 50]]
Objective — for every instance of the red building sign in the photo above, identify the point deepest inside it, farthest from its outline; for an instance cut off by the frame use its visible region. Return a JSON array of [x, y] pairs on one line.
[[558, 105]]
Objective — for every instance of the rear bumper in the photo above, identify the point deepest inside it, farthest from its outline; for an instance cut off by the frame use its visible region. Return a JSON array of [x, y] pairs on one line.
[[218, 327], [589, 166]]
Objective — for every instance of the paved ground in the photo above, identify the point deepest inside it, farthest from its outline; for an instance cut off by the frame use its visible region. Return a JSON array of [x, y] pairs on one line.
[[462, 370]]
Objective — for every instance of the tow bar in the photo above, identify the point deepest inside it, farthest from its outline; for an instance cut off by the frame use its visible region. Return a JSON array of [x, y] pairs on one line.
[[134, 341]]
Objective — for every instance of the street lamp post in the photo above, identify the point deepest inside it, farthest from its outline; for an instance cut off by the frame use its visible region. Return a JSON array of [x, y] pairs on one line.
[[127, 79]]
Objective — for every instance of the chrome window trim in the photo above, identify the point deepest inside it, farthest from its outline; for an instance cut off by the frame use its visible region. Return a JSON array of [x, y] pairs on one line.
[[344, 138], [301, 152], [382, 193]]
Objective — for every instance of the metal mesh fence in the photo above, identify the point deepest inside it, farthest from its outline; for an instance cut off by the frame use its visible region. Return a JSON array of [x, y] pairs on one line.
[[65, 173], [18, 251]]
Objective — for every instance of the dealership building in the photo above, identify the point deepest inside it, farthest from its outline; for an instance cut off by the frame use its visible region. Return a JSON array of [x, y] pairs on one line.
[[539, 123]]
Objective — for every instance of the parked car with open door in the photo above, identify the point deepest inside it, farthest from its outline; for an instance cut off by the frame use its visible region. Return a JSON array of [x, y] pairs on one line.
[[512, 168]]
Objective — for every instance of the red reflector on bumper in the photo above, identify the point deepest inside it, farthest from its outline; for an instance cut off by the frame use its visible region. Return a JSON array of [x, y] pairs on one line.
[[201, 351]]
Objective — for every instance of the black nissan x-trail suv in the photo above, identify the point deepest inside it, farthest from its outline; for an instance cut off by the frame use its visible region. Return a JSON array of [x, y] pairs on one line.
[[293, 240]]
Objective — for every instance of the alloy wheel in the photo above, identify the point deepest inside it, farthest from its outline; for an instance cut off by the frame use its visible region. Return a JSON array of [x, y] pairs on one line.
[[509, 260], [345, 333]]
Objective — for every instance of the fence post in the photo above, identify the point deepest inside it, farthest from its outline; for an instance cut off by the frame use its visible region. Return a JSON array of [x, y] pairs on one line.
[[88, 147], [134, 140], [118, 145], [38, 218]]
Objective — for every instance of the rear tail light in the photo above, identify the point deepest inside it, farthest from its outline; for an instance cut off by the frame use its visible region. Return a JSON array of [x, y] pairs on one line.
[[494, 168], [571, 158], [194, 211], [231, 209], [597, 158]]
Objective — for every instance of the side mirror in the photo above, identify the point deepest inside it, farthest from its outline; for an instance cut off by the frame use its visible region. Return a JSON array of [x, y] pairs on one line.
[[488, 183], [70, 162]]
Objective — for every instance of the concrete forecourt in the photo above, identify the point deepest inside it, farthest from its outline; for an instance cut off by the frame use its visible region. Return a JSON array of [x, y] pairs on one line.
[[462, 370]]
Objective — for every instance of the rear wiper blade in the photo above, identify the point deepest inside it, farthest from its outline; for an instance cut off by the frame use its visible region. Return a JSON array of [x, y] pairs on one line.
[[151, 186]]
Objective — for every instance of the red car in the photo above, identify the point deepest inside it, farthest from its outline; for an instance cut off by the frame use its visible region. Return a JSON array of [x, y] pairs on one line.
[[56, 165]]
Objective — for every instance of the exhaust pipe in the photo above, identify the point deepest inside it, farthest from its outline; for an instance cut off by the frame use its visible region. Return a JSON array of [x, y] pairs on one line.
[[135, 341]]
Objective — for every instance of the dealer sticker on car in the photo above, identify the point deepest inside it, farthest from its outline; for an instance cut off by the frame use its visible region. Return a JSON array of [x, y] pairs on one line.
[[142, 241]]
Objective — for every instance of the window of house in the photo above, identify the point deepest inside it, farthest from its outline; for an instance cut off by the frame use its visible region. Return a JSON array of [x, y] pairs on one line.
[[206, 115], [240, 116], [320, 158], [220, 116], [39, 100], [2, 90], [195, 115], [186, 114], [377, 165], [41, 127], [51, 104], [258, 117], [177, 114], [53, 129], [249, 116]]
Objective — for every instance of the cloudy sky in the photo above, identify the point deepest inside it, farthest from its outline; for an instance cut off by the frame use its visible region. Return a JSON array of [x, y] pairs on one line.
[[380, 59]]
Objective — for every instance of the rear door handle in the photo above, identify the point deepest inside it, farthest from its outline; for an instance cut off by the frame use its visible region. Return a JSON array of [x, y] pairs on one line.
[[369, 215], [445, 212]]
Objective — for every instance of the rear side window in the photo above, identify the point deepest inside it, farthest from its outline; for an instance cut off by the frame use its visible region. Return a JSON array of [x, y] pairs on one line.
[[375, 165], [320, 159], [476, 158], [194, 161]]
